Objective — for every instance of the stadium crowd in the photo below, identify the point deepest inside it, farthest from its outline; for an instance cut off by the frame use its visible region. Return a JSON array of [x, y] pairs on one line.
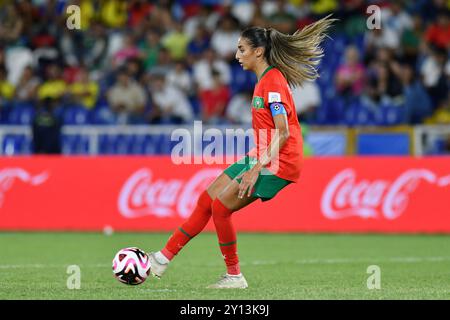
[[152, 62]]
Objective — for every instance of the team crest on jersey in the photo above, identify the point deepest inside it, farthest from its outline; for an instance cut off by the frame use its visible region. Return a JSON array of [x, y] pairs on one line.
[[258, 102]]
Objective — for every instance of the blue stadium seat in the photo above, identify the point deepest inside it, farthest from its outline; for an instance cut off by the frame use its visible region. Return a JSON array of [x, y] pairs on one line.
[[75, 115], [14, 144], [75, 144], [149, 145], [137, 144], [358, 115], [391, 115], [21, 114], [121, 144], [106, 144], [102, 115]]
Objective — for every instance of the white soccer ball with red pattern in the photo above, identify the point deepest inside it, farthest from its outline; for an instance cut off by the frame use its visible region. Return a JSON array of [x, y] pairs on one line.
[[131, 266]]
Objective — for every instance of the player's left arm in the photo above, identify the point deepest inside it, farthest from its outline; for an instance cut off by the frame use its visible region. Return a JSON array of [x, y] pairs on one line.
[[279, 139], [277, 142]]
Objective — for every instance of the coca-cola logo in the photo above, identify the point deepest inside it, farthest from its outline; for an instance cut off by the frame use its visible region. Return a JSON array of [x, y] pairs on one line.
[[8, 176], [143, 195], [344, 196]]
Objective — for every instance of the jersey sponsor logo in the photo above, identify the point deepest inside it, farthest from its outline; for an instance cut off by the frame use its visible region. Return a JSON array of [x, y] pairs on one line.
[[274, 97], [258, 102]]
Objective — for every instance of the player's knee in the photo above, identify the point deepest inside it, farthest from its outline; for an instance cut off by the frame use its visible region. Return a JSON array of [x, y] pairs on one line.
[[218, 185], [219, 210], [205, 200]]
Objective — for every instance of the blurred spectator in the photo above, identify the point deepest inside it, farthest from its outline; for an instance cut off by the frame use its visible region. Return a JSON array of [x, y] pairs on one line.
[[205, 16], [164, 65], [199, 43], [17, 58], [431, 8], [84, 91], [350, 74], [138, 10], [176, 42], [133, 67], [27, 12], [95, 46], [408, 55], [243, 10], [129, 50], [238, 110], [150, 49], [46, 128], [321, 8], [127, 99], [214, 100], [202, 70], [224, 39], [384, 86], [417, 102], [114, 13], [54, 87], [2, 57], [170, 103], [160, 17], [180, 78], [46, 52], [353, 16], [71, 46], [433, 74], [6, 88], [307, 99], [11, 24], [259, 16], [442, 113], [438, 33], [389, 74], [411, 40], [282, 19], [27, 86], [395, 18], [381, 38]]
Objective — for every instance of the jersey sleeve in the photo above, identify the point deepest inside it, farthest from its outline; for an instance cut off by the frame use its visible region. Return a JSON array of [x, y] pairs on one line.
[[276, 96]]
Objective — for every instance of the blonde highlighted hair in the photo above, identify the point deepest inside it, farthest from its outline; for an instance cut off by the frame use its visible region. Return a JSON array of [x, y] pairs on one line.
[[296, 55]]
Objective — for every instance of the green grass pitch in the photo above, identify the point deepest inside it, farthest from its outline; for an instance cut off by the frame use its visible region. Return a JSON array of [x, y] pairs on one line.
[[277, 266]]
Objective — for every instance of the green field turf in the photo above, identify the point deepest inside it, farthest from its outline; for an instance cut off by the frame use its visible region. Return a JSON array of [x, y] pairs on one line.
[[277, 266]]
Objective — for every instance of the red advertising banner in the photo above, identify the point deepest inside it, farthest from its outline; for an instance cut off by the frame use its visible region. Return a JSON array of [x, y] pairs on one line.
[[385, 194]]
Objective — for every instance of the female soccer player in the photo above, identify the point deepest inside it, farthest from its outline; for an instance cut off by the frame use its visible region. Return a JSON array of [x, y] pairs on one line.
[[279, 61]]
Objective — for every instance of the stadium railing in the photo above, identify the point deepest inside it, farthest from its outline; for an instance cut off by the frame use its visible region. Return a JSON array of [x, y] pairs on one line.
[[160, 139]]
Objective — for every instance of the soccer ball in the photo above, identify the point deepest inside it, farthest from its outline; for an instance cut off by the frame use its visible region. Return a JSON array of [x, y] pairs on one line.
[[131, 266]]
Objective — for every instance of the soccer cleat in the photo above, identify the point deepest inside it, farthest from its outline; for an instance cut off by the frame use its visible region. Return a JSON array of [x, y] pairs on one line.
[[228, 281], [157, 269]]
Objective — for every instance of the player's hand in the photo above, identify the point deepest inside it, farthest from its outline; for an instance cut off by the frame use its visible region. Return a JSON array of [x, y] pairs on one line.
[[249, 179]]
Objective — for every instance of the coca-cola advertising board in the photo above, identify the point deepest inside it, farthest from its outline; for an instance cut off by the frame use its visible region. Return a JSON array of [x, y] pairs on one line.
[[383, 194]]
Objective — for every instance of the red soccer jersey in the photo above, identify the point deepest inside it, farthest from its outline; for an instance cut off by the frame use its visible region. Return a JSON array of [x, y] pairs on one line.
[[273, 87]]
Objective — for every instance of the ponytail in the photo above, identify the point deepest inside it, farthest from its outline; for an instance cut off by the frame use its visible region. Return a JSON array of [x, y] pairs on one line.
[[296, 55]]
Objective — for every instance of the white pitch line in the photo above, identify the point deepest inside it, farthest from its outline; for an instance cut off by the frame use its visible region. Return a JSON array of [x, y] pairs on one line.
[[158, 290], [347, 261], [258, 262]]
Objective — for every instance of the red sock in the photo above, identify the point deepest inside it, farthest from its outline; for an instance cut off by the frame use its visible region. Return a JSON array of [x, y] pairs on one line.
[[190, 228], [226, 235]]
